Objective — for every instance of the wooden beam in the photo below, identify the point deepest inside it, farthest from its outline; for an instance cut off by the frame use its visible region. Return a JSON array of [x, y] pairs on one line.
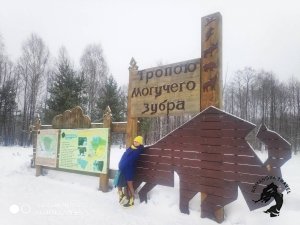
[[107, 123]]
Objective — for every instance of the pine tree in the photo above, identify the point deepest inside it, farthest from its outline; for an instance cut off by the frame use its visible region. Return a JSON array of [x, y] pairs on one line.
[[114, 97], [8, 106], [66, 91]]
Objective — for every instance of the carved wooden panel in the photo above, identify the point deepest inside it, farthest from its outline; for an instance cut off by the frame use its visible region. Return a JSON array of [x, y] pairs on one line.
[[211, 61], [73, 118], [211, 155]]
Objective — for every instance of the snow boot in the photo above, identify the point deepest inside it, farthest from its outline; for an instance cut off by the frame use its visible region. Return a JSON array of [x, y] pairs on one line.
[[130, 203], [122, 197]]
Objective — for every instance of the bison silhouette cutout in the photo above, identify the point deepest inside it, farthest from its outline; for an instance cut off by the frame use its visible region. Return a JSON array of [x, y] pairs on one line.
[[211, 155]]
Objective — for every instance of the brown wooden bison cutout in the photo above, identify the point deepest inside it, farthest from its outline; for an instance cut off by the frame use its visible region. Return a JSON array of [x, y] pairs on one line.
[[211, 155]]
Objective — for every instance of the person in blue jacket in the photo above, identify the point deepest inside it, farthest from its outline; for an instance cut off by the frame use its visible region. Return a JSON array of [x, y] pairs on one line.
[[127, 167]]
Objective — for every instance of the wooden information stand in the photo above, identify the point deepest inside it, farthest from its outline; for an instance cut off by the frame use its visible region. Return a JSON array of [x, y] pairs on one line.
[[73, 119]]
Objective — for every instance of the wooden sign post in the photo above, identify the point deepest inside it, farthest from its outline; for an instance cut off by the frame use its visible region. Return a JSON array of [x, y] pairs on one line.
[[107, 123], [179, 88], [131, 129], [211, 73]]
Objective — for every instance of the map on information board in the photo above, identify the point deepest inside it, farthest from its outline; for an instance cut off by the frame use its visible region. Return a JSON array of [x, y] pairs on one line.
[[84, 149], [46, 149]]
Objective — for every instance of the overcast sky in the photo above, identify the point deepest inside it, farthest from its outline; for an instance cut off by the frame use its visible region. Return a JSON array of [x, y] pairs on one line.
[[263, 34]]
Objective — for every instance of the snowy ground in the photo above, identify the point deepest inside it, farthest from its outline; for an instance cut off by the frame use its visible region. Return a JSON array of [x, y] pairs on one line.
[[69, 199]]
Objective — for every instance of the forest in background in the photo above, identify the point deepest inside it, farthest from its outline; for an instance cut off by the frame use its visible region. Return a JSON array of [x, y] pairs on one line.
[[38, 84], [35, 85]]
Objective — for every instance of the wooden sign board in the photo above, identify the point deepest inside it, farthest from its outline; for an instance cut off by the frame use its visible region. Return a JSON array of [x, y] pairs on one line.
[[166, 90], [183, 87]]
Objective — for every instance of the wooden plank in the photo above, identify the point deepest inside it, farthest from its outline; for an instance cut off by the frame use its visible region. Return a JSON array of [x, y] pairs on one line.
[[155, 180], [259, 170], [177, 143], [45, 127], [218, 174], [279, 152], [185, 162], [216, 117], [220, 200], [157, 151], [196, 133], [272, 139], [225, 125], [233, 150], [275, 143], [218, 191], [200, 164], [155, 158], [213, 165], [194, 179], [154, 173], [119, 127], [276, 162], [217, 200], [248, 178], [209, 208], [225, 175], [96, 125], [154, 166], [242, 159], [186, 154], [187, 194], [156, 177], [229, 150]]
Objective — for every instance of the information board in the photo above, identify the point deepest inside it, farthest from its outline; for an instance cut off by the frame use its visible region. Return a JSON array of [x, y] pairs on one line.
[[84, 149], [46, 149]]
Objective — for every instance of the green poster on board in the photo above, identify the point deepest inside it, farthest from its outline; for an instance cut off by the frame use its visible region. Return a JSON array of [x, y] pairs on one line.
[[46, 148], [84, 149]]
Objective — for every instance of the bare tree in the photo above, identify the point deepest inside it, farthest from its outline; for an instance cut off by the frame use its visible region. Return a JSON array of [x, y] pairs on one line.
[[95, 71], [32, 65], [8, 105], [259, 97]]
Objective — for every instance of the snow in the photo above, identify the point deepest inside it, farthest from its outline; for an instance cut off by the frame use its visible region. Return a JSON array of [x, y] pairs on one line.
[[65, 198]]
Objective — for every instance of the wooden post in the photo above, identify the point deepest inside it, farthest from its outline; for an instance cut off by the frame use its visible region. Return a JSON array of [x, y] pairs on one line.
[[211, 72], [107, 123], [35, 129], [131, 129]]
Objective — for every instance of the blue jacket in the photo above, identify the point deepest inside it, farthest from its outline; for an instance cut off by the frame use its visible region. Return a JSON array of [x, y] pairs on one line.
[[127, 164]]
